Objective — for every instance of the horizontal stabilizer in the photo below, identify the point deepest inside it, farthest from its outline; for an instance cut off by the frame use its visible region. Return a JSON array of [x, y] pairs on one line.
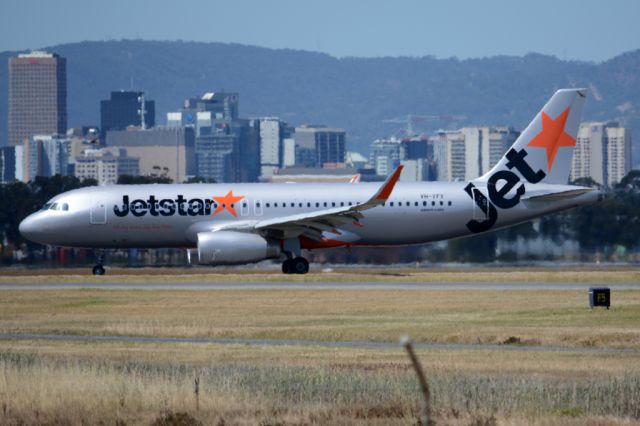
[[557, 196]]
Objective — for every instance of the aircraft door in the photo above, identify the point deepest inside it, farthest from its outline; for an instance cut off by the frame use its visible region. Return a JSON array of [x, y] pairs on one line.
[[98, 212], [257, 207], [244, 208]]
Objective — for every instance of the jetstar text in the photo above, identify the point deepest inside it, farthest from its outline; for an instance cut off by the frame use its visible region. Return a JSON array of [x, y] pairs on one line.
[[498, 194], [164, 207]]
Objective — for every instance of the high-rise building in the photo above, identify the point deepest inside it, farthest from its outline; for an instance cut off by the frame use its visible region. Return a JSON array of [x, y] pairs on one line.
[[163, 151], [126, 109], [603, 153], [7, 164], [227, 148], [385, 155], [37, 96], [416, 170], [221, 105], [273, 133], [416, 148], [319, 145], [46, 155], [470, 152]]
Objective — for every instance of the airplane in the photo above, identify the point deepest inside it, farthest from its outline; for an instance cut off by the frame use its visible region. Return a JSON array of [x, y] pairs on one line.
[[249, 222]]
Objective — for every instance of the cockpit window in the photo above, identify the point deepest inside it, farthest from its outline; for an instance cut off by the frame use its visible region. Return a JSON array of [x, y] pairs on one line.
[[56, 206]]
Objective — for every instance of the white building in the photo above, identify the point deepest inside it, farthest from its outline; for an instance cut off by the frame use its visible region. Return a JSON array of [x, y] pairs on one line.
[[603, 153], [385, 155], [105, 165], [46, 155], [470, 152], [415, 170], [271, 145]]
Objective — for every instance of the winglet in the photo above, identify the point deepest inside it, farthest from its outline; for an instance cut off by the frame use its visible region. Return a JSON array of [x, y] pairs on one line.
[[387, 187]]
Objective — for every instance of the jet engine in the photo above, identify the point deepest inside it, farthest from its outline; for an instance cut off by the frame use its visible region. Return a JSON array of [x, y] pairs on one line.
[[229, 247]]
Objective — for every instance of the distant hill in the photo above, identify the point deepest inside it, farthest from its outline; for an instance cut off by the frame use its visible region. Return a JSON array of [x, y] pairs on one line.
[[354, 93]]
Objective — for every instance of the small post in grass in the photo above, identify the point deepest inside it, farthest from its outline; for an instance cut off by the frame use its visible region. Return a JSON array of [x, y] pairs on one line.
[[196, 391], [405, 341]]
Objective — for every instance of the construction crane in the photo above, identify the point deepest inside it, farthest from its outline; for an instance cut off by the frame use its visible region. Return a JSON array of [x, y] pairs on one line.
[[410, 119]]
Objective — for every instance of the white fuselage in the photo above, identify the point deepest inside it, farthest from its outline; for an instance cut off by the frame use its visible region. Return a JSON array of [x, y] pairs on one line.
[[172, 215]]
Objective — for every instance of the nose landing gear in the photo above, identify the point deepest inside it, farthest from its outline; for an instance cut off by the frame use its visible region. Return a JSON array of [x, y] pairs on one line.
[[98, 269]]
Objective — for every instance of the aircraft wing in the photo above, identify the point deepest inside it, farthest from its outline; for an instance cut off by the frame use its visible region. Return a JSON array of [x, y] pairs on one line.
[[312, 224]]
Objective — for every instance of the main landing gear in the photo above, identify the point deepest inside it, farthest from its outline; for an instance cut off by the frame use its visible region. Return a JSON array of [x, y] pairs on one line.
[[296, 265], [98, 269]]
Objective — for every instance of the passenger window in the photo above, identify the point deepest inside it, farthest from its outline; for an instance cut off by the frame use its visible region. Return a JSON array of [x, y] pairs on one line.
[[333, 204], [408, 204], [325, 204], [424, 203], [268, 205], [308, 204], [341, 203], [391, 203], [317, 204], [65, 206], [442, 203], [449, 203], [433, 203], [299, 204], [293, 204], [275, 204], [416, 204]]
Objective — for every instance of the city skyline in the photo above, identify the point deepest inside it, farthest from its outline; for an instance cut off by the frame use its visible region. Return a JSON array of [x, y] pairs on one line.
[[567, 30]]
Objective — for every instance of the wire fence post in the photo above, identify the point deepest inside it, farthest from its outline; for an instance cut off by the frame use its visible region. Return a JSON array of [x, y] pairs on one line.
[[425, 414], [196, 391]]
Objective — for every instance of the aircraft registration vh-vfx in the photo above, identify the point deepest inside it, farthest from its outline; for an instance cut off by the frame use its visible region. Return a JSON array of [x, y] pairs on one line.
[[242, 223]]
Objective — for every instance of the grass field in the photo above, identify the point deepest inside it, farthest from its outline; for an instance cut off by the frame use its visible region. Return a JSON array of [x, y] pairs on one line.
[[533, 317], [45, 382], [593, 274]]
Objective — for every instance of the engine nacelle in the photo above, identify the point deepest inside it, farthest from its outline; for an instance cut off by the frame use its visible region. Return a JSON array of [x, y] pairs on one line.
[[229, 247]]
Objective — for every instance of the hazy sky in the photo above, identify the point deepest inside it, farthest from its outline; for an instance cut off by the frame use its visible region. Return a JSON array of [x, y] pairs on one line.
[[592, 30]]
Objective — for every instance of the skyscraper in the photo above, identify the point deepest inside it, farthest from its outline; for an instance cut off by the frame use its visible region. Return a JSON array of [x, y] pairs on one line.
[[37, 96], [318, 145], [227, 148], [126, 109]]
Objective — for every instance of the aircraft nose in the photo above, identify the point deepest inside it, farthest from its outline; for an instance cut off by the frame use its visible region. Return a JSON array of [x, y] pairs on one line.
[[30, 229]]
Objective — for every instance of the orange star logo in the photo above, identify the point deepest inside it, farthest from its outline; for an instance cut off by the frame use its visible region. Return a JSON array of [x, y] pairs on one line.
[[227, 203], [553, 136]]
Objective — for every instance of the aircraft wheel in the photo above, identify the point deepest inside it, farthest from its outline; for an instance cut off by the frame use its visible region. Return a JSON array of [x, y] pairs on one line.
[[286, 266], [299, 265], [98, 270]]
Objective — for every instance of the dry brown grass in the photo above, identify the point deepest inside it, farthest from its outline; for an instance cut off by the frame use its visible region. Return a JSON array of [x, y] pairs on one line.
[[62, 383], [534, 317], [45, 382]]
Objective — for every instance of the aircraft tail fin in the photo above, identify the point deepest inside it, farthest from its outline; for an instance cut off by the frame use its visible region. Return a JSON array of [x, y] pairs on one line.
[[548, 141]]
